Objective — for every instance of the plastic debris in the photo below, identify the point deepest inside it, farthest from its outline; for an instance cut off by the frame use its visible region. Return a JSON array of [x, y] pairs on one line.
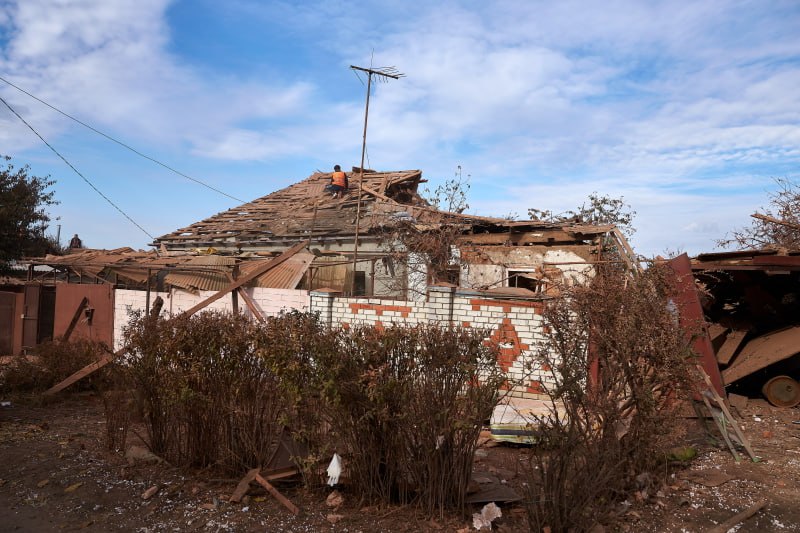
[[334, 470], [489, 513]]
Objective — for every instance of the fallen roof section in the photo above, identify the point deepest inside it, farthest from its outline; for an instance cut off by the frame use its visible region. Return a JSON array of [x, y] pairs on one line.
[[191, 272]]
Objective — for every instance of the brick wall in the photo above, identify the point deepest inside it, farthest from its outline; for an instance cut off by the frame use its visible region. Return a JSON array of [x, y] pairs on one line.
[[269, 302], [515, 325]]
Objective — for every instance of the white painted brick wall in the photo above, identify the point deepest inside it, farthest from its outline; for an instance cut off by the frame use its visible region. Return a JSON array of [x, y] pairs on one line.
[[525, 320]]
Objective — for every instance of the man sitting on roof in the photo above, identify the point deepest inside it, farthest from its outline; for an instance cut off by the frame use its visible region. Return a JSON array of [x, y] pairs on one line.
[[339, 182]]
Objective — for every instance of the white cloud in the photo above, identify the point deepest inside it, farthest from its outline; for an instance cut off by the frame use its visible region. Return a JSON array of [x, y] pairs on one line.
[[542, 102], [106, 62]]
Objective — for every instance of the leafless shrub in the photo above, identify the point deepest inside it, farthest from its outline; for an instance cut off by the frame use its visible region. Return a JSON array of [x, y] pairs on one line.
[[777, 226], [407, 404], [210, 387], [618, 360], [404, 405], [117, 405], [53, 362]]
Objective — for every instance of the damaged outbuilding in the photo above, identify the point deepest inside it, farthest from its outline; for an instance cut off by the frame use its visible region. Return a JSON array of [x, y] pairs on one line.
[[751, 300]]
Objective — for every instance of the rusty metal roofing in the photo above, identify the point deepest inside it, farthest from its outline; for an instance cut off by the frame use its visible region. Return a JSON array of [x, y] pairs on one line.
[[204, 273], [187, 271], [765, 259], [287, 275]]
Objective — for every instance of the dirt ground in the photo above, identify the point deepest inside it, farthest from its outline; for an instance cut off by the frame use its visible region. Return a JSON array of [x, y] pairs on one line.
[[57, 475]]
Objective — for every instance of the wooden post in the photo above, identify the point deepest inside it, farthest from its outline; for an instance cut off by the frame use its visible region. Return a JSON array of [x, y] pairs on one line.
[[277, 495], [251, 304]]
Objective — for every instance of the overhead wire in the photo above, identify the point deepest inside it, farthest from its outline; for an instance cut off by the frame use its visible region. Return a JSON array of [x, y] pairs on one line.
[[124, 145], [84, 178]]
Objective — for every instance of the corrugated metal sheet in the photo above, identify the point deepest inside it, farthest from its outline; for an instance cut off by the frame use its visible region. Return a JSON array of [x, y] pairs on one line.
[[189, 272], [285, 276], [213, 273]]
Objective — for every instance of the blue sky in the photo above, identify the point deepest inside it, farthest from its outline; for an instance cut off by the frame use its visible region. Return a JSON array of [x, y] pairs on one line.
[[688, 110]]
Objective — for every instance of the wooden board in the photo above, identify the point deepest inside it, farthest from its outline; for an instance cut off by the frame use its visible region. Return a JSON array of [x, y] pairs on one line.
[[85, 371], [729, 347], [762, 351], [277, 495]]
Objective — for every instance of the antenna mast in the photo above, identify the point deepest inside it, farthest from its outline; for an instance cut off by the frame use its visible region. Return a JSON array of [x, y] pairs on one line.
[[380, 74]]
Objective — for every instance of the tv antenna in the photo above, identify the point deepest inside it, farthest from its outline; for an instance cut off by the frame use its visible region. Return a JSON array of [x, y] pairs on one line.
[[382, 74]]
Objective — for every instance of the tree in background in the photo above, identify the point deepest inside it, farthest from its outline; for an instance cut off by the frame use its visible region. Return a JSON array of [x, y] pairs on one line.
[[598, 210], [451, 196], [777, 226], [23, 217]]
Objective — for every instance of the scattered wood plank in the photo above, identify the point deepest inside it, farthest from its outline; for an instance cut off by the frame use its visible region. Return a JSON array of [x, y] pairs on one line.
[[735, 425], [243, 486], [277, 495], [731, 344], [715, 331], [279, 473], [376, 194], [75, 318], [721, 427], [740, 517], [85, 371]]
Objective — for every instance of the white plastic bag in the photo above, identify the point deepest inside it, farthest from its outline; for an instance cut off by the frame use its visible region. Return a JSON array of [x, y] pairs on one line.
[[334, 470]]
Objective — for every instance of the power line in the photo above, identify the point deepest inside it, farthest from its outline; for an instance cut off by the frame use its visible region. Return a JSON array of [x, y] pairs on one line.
[[112, 139], [106, 198]]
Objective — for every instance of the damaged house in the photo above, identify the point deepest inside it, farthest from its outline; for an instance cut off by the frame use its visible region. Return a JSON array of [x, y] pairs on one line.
[[346, 260], [354, 242]]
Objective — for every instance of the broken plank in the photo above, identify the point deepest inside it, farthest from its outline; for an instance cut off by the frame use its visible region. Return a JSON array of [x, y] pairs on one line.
[[83, 372], [376, 194], [729, 347], [277, 495], [248, 278], [279, 473], [715, 331], [740, 517], [721, 403], [244, 484], [251, 305]]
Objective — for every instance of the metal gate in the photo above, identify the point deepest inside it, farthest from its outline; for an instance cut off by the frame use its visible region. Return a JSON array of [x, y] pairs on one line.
[[7, 322]]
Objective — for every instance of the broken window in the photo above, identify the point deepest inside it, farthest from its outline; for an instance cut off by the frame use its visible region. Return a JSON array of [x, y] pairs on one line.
[[525, 279]]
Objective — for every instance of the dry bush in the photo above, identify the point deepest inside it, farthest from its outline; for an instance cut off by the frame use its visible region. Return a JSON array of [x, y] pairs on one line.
[[407, 404], [219, 389], [211, 388], [612, 427], [117, 406], [404, 405], [778, 224], [53, 362]]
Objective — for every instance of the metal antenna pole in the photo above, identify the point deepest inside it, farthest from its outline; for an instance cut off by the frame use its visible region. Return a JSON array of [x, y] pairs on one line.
[[382, 73]]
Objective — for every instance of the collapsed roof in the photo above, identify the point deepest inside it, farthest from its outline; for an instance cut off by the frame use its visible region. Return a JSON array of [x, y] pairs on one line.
[[188, 272], [305, 210]]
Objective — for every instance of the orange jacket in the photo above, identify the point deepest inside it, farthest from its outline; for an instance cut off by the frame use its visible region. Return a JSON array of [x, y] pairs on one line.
[[339, 178]]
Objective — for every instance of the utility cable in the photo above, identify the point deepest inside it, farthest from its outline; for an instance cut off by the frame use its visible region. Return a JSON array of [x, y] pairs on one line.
[[112, 139], [106, 198]]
